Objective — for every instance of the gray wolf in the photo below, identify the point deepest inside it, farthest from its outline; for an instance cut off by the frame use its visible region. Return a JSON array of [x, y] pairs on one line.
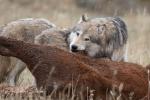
[[100, 37], [25, 30], [53, 37]]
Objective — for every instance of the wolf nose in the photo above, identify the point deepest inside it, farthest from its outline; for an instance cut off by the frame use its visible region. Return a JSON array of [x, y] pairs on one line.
[[74, 48]]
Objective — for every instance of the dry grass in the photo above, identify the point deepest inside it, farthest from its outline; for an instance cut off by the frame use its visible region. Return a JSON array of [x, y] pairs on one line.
[[68, 93], [65, 13], [139, 34]]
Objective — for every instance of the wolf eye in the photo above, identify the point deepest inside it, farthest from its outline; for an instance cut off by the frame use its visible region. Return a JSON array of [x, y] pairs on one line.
[[77, 33], [86, 39]]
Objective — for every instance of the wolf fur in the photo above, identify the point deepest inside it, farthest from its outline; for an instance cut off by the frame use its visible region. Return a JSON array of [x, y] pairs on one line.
[[25, 30], [53, 37], [100, 37]]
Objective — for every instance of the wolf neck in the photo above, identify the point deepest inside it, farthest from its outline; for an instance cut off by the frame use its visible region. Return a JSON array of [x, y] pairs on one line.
[[19, 49]]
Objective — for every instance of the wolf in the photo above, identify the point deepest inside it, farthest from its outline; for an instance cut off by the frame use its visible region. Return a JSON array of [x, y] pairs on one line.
[[23, 29], [53, 37], [100, 38]]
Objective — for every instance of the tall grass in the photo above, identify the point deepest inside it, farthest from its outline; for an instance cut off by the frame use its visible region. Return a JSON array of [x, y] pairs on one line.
[[139, 34]]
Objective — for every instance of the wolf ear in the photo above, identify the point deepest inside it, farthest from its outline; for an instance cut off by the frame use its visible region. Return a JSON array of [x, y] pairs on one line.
[[83, 18]]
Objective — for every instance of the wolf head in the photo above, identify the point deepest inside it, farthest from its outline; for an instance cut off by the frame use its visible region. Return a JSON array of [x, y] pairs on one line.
[[97, 37], [89, 36]]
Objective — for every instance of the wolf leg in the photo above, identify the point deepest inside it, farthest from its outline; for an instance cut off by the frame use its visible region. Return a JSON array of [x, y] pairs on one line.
[[15, 73]]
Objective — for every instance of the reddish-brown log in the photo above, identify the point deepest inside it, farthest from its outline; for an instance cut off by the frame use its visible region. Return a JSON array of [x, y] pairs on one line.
[[97, 74]]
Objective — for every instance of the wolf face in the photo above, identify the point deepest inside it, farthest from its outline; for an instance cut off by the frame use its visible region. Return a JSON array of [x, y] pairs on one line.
[[98, 37], [87, 40]]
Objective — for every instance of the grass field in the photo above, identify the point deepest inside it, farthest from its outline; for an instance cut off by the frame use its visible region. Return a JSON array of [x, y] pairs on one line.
[[65, 14]]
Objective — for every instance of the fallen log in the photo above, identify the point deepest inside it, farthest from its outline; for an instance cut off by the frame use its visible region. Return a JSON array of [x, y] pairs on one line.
[[99, 74]]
